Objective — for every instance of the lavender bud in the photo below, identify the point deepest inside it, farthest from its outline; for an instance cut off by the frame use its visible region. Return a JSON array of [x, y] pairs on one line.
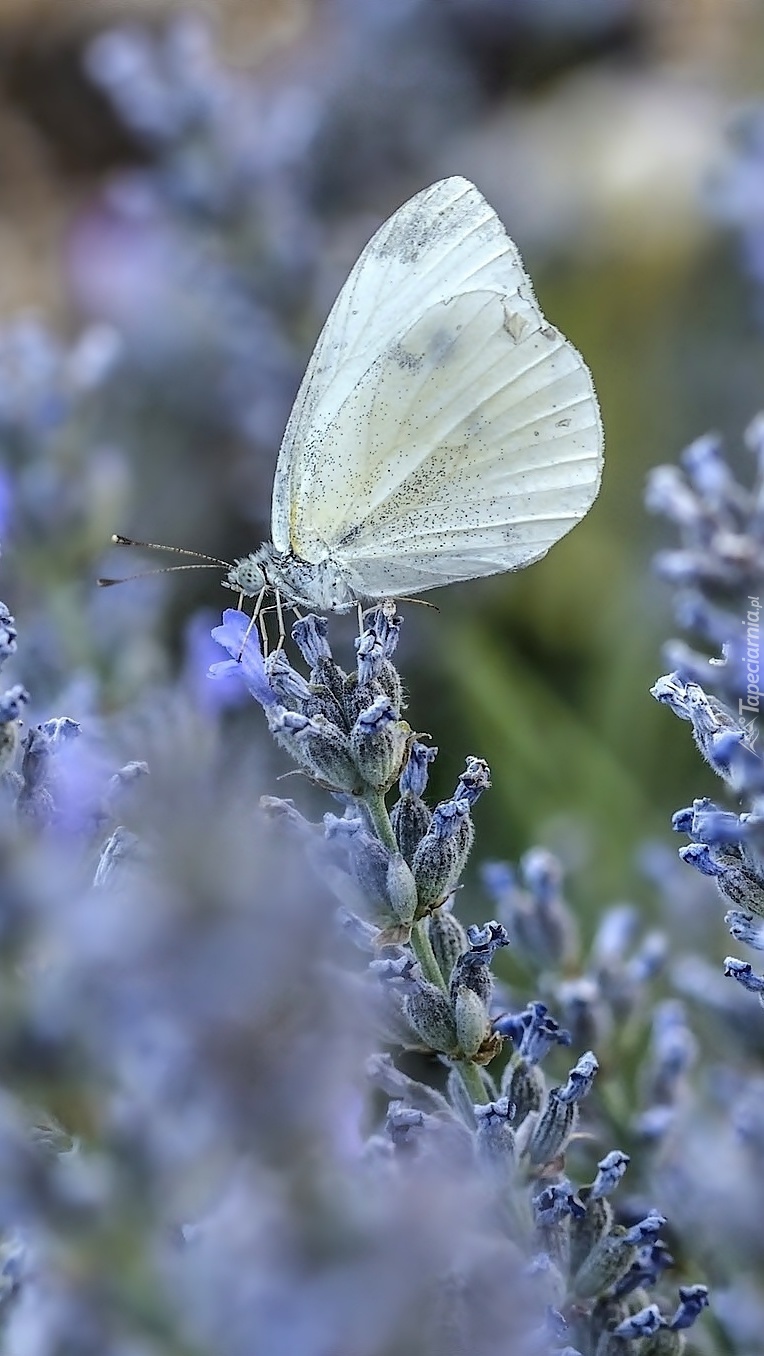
[[11, 705], [118, 848], [475, 779], [742, 971], [411, 819], [669, 494], [310, 636], [430, 1013], [587, 1229], [523, 1084], [375, 650], [35, 802], [607, 1262], [473, 1023], [401, 889], [610, 1172], [735, 881], [326, 677], [553, 1129], [371, 864], [437, 860], [642, 1324], [472, 966], [651, 1261], [378, 742], [318, 745], [60, 730], [693, 1300], [556, 1202], [414, 775], [447, 938], [533, 1032], [494, 1137], [583, 1010], [580, 1079], [290, 687], [744, 929], [8, 635]]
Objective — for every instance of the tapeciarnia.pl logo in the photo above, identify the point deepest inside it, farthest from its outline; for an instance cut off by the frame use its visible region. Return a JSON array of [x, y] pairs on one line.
[[751, 704]]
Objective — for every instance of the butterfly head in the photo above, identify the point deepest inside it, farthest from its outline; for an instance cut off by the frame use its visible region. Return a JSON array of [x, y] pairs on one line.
[[247, 576]]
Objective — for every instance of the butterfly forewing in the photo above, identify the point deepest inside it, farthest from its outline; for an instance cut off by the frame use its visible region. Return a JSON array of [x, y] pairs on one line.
[[443, 430]]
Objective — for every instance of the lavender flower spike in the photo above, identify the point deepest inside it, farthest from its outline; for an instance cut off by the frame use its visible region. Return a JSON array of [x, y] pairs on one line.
[[246, 661]]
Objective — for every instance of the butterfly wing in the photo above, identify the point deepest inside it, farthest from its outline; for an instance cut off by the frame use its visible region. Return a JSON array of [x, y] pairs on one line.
[[443, 430]]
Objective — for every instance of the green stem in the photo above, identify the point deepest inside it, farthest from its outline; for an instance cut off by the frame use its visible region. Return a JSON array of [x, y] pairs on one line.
[[470, 1076], [422, 948], [375, 804]]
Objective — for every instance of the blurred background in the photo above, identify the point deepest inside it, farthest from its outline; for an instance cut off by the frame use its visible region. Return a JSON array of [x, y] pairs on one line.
[[183, 190]]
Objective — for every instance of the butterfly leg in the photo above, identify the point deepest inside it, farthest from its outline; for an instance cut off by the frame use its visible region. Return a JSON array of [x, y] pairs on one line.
[[256, 616], [280, 616]]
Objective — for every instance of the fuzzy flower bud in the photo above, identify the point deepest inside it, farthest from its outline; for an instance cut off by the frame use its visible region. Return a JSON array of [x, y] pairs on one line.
[[523, 1084], [12, 704], [552, 1130], [744, 928], [693, 1300], [375, 648], [378, 743], [327, 679], [613, 1256], [743, 972], [580, 1079], [533, 1032], [415, 773], [589, 1227], [318, 745], [495, 1137], [447, 938], [401, 888], [384, 877], [475, 779], [431, 1014], [610, 1171], [472, 966], [8, 636], [410, 817], [441, 854], [310, 636], [473, 1023], [643, 1324], [289, 686]]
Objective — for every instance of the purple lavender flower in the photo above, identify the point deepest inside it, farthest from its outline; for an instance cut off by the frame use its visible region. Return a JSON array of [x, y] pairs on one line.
[[242, 641]]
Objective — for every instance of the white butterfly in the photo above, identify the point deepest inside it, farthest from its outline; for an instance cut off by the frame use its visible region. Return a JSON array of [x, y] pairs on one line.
[[443, 430]]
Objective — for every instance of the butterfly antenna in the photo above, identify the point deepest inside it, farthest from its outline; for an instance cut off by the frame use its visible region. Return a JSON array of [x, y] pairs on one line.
[[143, 574], [423, 602], [119, 540]]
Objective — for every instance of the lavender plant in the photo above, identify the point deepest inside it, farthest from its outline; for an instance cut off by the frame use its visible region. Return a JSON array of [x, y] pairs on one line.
[[210, 1141], [396, 873]]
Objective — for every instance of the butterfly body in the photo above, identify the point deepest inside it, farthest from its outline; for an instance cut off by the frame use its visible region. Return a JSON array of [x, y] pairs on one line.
[[321, 585]]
